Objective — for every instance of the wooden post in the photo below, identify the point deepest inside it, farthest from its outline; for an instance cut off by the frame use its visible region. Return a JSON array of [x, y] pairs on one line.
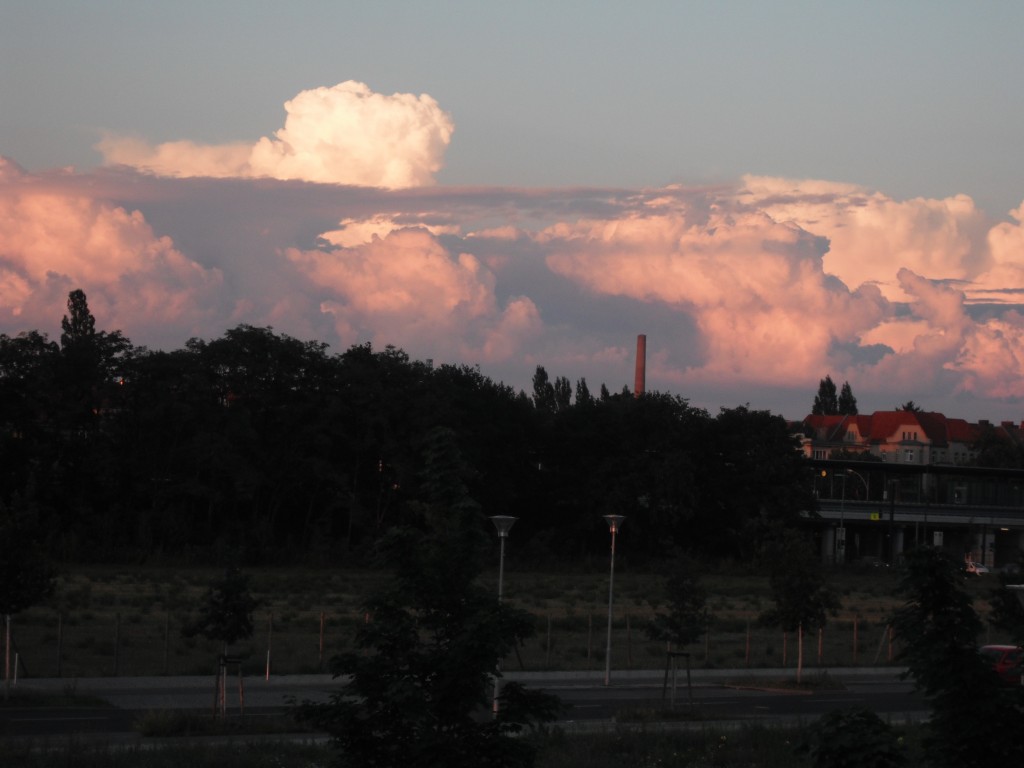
[[590, 638], [547, 645], [821, 645], [855, 641], [117, 643], [629, 643], [60, 642], [707, 641], [799, 652], [167, 643], [747, 658], [890, 643], [270, 639], [7, 656], [320, 661], [217, 689]]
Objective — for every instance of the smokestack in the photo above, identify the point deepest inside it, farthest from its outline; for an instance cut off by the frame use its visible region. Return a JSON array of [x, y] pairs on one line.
[[641, 365]]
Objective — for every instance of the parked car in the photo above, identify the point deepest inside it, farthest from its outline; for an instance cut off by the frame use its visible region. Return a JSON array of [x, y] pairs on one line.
[[1006, 661], [976, 568]]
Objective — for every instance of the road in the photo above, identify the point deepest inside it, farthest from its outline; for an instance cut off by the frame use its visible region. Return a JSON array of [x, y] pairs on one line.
[[717, 694]]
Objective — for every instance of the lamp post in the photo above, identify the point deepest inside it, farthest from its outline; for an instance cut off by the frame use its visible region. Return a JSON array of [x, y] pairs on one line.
[[504, 524], [841, 543], [614, 523]]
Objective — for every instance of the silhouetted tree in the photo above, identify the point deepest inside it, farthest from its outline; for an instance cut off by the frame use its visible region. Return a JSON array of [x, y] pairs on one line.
[[543, 391], [975, 721], [1007, 612], [911, 406], [421, 680], [226, 612], [847, 403], [688, 615], [583, 396], [563, 393], [799, 588], [26, 573], [826, 402]]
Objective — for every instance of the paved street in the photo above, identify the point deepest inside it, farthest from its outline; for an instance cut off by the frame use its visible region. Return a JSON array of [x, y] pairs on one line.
[[724, 695]]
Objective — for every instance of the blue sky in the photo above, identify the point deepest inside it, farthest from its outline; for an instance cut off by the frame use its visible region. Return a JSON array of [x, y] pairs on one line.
[[771, 191], [915, 98]]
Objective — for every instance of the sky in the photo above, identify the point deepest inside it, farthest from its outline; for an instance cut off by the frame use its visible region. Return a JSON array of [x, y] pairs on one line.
[[771, 192]]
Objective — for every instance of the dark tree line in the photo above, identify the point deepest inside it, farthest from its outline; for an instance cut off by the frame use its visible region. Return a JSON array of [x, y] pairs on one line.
[[259, 443]]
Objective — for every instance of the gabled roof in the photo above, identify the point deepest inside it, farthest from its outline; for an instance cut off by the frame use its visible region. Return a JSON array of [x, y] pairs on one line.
[[885, 426]]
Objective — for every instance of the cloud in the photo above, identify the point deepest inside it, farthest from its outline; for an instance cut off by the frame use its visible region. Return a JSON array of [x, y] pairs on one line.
[[872, 236], [51, 243], [755, 288], [747, 293], [408, 286], [346, 134]]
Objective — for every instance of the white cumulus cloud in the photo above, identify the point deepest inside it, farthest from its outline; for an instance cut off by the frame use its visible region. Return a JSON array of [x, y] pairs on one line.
[[346, 134]]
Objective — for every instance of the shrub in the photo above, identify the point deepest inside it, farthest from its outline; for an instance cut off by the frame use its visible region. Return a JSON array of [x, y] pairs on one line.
[[851, 739]]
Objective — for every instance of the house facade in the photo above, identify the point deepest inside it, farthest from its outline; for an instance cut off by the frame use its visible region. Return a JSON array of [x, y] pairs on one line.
[[900, 437]]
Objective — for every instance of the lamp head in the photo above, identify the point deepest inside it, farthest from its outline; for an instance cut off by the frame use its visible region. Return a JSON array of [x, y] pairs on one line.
[[614, 522], [504, 524]]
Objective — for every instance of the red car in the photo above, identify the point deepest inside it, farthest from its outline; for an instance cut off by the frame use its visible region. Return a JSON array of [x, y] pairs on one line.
[[1006, 661]]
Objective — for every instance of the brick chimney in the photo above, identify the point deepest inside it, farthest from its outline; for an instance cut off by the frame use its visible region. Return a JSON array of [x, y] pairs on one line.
[[640, 380]]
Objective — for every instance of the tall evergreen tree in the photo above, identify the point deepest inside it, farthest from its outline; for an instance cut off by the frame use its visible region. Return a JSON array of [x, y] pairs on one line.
[[563, 393], [543, 391], [847, 402], [78, 325], [826, 402], [583, 396]]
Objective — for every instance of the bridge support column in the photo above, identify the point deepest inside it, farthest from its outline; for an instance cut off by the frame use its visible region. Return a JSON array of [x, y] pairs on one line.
[[828, 545], [897, 545]]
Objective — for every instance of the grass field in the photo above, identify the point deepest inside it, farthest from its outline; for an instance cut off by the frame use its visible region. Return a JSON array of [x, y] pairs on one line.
[[109, 621]]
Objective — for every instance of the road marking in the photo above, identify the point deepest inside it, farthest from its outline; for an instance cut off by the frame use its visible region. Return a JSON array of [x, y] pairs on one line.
[[52, 719]]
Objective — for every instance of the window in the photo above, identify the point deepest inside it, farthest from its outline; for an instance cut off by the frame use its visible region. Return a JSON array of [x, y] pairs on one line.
[[908, 455]]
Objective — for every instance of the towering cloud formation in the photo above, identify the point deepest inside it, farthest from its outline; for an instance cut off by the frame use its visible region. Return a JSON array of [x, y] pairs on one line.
[[407, 285], [766, 283], [53, 241], [342, 135]]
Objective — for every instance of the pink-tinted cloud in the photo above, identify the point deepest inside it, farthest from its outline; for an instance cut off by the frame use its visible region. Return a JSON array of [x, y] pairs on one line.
[[51, 243], [409, 286], [755, 288], [872, 236], [346, 134], [749, 293]]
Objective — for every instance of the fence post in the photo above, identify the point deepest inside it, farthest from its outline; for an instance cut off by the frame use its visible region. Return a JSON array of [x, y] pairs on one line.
[[320, 660], [707, 642], [7, 656], [270, 638], [629, 643], [167, 643], [117, 644], [60, 642], [747, 657], [855, 641], [547, 645], [590, 638]]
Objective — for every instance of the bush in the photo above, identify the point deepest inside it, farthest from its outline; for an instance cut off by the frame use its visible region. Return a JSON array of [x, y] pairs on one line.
[[851, 739]]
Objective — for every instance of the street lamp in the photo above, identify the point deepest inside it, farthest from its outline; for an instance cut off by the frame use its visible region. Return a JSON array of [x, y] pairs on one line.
[[841, 542], [504, 524], [614, 523]]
